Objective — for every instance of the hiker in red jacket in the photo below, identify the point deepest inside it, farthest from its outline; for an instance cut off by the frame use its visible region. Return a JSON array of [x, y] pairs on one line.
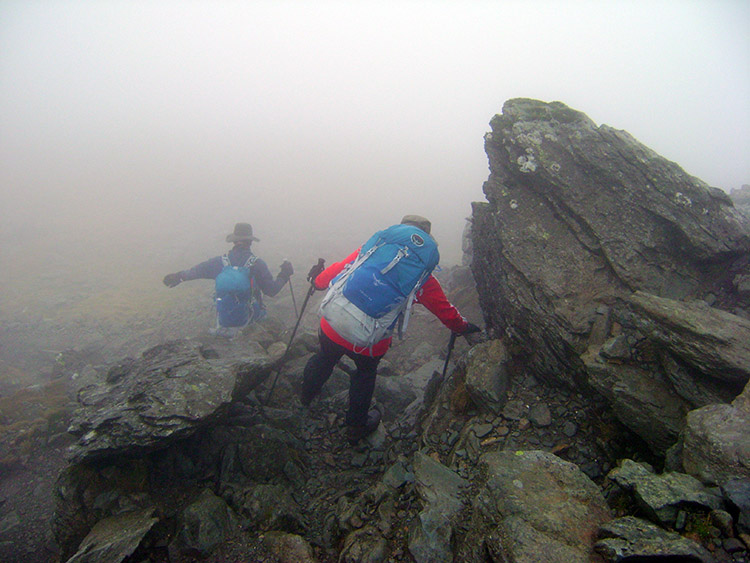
[[360, 420]]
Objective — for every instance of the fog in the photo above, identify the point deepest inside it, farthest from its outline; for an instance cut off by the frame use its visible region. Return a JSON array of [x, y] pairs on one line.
[[133, 135]]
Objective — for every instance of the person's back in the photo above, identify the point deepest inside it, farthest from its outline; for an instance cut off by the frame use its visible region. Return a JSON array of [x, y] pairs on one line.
[[240, 278], [339, 333], [375, 292]]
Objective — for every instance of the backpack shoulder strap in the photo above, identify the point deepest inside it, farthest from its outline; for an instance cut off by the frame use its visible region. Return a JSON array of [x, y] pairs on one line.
[[250, 260]]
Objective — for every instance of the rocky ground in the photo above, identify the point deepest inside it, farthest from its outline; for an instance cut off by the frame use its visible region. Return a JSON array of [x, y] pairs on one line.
[[337, 492]]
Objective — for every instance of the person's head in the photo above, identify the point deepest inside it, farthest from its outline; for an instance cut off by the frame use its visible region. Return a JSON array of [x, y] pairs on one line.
[[242, 234], [417, 221]]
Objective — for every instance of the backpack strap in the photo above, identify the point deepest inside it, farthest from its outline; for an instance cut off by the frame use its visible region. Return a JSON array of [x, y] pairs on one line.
[[250, 260], [402, 253], [403, 320]]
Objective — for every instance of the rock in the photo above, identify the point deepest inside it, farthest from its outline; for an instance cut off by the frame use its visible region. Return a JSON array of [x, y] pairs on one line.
[[692, 386], [487, 376], [663, 496], [260, 455], [629, 538], [397, 475], [737, 492], [289, 548], [115, 538], [205, 523], [716, 441], [540, 415], [269, 507], [741, 198], [579, 216], [365, 545], [514, 409], [643, 401], [170, 392], [682, 349], [440, 490], [570, 429], [85, 494], [714, 342], [539, 507], [9, 521]]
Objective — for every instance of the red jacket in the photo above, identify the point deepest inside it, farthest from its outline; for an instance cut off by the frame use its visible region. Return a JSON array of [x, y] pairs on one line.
[[431, 295]]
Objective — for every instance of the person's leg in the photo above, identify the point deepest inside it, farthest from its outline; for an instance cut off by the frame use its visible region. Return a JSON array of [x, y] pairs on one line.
[[319, 368], [361, 388]]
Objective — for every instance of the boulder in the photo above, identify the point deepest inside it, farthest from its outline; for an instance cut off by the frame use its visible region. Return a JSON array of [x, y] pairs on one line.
[[85, 495], [669, 358], [167, 394], [487, 375], [716, 441], [643, 400], [289, 548], [663, 496], [115, 538], [737, 493], [205, 524], [578, 216], [269, 507], [716, 344], [365, 545], [538, 507], [630, 538], [441, 491]]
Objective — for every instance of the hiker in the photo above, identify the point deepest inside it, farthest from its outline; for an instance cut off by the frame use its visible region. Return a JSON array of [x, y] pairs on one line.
[[342, 321], [240, 278]]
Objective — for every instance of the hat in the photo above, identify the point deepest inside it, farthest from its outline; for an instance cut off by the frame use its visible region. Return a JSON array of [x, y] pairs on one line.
[[242, 231], [417, 221]]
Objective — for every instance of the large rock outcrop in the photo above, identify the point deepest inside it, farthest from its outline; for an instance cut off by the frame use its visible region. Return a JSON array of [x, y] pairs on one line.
[[167, 394], [578, 219]]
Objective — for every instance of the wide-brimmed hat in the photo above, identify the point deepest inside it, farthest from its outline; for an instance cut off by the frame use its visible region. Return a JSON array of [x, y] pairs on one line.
[[242, 232], [418, 221]]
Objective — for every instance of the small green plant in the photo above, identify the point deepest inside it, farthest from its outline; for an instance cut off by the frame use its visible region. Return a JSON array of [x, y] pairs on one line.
[[698, 527]]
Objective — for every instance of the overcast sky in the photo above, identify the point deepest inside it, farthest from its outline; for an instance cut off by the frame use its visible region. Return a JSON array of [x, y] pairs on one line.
[[172, 117]]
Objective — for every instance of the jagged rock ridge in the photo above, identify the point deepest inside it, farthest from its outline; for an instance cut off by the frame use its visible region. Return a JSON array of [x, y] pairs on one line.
[[609, 267]]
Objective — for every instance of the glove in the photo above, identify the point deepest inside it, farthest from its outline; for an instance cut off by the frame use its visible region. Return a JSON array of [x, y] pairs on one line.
[[470, 329], [316, 270], [473, 334], [286, 269], [172, 280]]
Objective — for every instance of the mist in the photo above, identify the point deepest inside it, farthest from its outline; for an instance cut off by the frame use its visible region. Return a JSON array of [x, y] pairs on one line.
[[133, 135]]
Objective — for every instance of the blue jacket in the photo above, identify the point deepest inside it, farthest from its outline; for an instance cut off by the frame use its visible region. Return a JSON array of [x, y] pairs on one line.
[[237, 257]]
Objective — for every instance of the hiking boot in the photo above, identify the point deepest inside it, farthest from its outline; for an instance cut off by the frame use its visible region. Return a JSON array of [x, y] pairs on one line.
[[307, 396], [355, 433]]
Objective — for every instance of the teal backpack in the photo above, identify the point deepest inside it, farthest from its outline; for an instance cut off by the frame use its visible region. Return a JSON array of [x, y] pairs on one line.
[[375, 293], [234, 295]]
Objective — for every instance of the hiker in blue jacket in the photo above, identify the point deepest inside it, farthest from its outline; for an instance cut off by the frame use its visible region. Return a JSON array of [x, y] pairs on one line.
[[241, 278]]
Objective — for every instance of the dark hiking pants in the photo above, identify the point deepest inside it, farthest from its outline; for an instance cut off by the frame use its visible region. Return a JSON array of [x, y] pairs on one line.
[[361, 384]]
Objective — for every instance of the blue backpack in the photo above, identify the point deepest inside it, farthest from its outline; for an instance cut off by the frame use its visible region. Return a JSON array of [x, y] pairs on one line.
[[234, 294], [368, 299]]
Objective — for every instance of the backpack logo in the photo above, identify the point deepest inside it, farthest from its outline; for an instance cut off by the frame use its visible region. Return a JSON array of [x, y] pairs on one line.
[[366, 301]]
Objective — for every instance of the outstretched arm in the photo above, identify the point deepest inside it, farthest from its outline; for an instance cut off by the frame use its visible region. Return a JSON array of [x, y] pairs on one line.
[[266, 282], [205, 270]]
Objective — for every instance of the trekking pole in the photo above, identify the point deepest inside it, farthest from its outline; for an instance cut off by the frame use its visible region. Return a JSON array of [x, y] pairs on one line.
[[291, 290], [451, 342], [310, 291]]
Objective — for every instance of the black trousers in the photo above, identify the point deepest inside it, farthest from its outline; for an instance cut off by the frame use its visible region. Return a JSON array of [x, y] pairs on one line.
[[361, 384]]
